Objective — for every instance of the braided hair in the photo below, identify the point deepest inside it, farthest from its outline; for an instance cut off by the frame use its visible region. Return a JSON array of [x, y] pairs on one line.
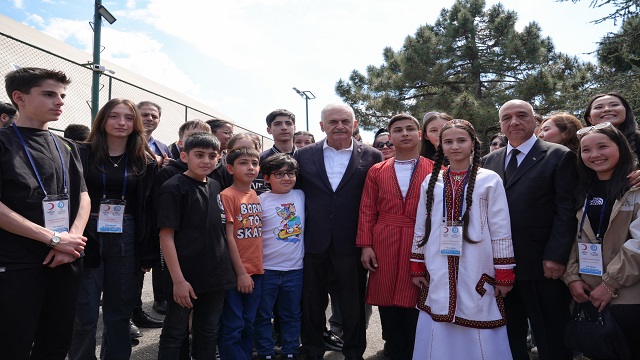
[[473, 172]]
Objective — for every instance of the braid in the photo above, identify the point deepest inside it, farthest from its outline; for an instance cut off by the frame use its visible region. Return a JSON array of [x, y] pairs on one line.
[[437, 165], [473, 172]]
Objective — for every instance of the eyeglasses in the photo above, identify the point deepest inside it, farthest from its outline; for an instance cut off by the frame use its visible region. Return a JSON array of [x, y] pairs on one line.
[[498, 144], [281, 174], [380, 145], [585, 130]]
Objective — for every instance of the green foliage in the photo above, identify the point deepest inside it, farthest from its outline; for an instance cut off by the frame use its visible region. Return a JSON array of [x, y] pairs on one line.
[[619, 53], [469, 62]]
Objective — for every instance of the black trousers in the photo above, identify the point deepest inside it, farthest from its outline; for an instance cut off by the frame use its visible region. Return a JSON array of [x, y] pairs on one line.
[[157, 274], [399, 329], [350, 285], [628, 318], [546, 304], [37, 309]]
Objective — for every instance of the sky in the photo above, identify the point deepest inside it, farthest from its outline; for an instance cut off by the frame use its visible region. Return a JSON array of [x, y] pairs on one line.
[[243, 57]]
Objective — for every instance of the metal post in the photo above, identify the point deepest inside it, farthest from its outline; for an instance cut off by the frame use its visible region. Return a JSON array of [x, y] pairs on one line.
[[306, 95], [95, 83], [306, 100]]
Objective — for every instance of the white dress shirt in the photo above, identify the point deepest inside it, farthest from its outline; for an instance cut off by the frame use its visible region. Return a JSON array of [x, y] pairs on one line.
[[335, 162], [524, 148]]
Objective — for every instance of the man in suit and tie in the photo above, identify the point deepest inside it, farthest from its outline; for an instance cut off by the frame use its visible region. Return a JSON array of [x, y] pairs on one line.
[[540, 180], [332, 175]]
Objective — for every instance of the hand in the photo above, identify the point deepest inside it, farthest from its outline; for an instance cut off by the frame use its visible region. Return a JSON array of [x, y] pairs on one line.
[[577, 289], [165, 160], [634, 178], [502, 290], [552, 269], [419, 281], [182, 294], [245, 284], [72, 244], [600, 297], [56, 257], [368, 259]]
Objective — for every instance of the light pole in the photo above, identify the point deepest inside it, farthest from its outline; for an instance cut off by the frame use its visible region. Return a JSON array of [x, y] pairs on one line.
[[306, 95], [99, 13]]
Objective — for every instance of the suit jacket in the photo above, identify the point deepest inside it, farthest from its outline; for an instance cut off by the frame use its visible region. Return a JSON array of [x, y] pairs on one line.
[[333, 215], [541, 197], [164, 149]]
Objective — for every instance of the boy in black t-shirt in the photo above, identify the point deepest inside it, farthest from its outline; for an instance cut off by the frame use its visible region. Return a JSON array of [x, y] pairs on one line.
[[44, 207], [194, 247]]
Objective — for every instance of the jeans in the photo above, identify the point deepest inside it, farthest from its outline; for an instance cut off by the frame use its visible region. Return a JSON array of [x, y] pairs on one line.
[[236, 324], [207, 309], [117, 277], [286, 288]]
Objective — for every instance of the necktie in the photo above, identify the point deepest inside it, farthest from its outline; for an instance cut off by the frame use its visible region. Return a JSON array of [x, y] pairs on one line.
[[511, 166]]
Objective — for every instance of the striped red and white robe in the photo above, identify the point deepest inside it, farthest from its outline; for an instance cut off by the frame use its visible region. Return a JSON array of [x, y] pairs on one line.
[[386, 224]]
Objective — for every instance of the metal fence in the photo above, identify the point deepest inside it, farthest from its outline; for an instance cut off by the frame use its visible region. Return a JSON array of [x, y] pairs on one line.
[[16, 53]]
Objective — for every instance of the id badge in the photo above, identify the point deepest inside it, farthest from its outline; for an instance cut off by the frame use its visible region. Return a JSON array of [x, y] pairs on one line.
[[451, 238], [111, 216], [590, 258], [56, 212]]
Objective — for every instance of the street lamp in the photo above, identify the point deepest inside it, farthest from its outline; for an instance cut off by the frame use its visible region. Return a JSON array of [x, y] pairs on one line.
[[306, 95], [99, 13]]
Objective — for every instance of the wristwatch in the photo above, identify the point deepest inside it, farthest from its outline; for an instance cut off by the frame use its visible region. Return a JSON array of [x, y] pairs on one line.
[[55, 239]]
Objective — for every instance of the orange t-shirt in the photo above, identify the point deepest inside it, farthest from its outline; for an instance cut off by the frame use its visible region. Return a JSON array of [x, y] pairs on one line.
[[244, 211]]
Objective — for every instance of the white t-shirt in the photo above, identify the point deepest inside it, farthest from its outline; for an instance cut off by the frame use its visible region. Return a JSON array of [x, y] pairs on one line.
[[283, 230]]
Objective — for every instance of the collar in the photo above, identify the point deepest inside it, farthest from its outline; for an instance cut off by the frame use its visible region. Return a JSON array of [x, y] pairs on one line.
[[277, 151], [326, 145], [525, 147]]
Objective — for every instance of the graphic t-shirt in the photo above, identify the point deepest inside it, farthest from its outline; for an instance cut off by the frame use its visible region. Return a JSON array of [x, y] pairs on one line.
[[244, 211], [283, 230]]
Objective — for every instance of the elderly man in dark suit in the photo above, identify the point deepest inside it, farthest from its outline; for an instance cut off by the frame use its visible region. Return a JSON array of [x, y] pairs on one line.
[[540, 180], [332, 175]]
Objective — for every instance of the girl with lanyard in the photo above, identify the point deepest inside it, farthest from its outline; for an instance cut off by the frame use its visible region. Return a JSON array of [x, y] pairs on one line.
[[119, 169], [462, 255], [604, 265]]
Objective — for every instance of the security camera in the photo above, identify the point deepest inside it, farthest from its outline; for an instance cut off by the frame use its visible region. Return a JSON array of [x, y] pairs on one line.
[[98, 67]]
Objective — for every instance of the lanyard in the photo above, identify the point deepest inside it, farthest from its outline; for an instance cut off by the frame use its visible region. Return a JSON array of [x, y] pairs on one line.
[[444, 196], [33, 165], [124, 185], [584, 215]]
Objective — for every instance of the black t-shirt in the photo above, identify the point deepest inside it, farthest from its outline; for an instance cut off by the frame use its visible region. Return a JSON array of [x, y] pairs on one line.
[[21, 192], [597, 199], [113, 184], [194, 210]]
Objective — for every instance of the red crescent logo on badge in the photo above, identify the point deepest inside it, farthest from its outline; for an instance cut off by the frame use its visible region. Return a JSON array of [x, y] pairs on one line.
[[446, 229], [108, 208], [584, 246], [51, 206]]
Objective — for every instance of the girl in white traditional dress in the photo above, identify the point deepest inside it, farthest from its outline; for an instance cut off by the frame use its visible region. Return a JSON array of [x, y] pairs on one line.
[[462, 256]]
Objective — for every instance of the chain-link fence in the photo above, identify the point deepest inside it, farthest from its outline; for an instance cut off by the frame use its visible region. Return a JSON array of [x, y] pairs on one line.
[[19, 52]]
